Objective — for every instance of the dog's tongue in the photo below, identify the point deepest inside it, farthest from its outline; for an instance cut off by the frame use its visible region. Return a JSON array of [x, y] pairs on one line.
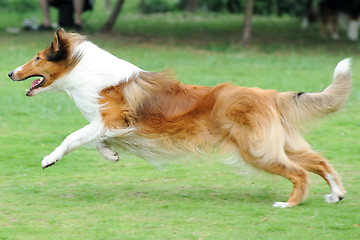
[[36, 82]]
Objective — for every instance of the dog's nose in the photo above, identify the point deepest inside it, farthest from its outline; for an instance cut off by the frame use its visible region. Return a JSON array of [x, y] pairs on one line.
[[10, 74]]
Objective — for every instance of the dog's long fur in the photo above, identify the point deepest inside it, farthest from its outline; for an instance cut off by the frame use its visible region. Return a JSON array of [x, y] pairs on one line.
[[153, 115]]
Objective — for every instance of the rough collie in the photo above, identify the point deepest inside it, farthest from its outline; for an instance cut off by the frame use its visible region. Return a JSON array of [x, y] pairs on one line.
[[154, 116]]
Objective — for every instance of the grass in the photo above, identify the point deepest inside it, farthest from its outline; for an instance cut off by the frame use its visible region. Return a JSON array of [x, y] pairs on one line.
[[85, 197]]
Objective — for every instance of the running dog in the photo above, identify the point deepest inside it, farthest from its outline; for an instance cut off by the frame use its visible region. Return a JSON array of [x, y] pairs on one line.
[[154, 116]]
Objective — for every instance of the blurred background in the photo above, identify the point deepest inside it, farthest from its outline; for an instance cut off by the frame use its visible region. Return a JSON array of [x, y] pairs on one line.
[[209, 24]]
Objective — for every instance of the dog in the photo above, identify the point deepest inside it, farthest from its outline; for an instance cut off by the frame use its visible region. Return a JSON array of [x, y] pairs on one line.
[[330, 12], [152, 115]]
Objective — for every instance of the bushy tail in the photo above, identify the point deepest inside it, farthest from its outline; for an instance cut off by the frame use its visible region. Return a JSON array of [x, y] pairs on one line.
[[299, 108]]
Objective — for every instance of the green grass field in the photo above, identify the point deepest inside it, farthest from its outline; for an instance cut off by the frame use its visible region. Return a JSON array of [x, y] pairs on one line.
[[86, 197]]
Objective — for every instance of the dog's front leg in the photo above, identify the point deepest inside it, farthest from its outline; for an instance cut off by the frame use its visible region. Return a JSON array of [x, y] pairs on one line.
[[78, 138]]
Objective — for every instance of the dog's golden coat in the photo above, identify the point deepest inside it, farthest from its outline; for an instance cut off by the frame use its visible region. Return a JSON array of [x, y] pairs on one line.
[[153, 115], [182, 118]]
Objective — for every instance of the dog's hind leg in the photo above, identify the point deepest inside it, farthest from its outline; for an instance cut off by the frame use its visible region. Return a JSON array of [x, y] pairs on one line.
[[277, 163], [106, 152], [260, 140], [315, 163], [299, 178], [293, 172]]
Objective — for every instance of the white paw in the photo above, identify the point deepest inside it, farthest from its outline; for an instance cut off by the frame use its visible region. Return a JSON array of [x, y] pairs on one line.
[[281, 204], [111, 156], [333, 198], [48, 161], [108, 153]]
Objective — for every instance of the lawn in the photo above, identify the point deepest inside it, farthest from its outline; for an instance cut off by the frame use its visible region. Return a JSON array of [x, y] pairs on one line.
[[86, 197]]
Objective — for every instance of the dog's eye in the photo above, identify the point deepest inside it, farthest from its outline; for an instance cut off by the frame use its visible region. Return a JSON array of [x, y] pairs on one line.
[[36, 59]]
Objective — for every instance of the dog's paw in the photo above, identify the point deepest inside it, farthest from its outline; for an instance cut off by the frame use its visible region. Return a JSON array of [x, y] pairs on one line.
[[281, 204], [333, 198], [48, 161], [109, 154], [113, 157]]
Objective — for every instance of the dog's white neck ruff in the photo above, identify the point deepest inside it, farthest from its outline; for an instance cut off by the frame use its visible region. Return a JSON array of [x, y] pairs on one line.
[[96, 70]]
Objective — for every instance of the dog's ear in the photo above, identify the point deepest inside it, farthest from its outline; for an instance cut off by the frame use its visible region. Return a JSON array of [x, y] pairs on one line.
[[59, 48], [59, 40]]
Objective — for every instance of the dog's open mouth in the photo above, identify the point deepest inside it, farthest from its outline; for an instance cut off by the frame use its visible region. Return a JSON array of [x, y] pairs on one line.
[[35, 84]]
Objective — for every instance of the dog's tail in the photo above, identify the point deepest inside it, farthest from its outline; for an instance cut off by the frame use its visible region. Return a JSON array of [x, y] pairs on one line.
[[297, 109]]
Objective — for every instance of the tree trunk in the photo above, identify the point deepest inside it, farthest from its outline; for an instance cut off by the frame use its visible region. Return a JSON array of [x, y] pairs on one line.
[[246, 35], [142, 6], [112, 19], [191, 5]]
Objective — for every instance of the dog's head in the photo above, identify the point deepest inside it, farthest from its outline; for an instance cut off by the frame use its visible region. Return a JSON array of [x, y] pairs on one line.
[[49, 64]]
